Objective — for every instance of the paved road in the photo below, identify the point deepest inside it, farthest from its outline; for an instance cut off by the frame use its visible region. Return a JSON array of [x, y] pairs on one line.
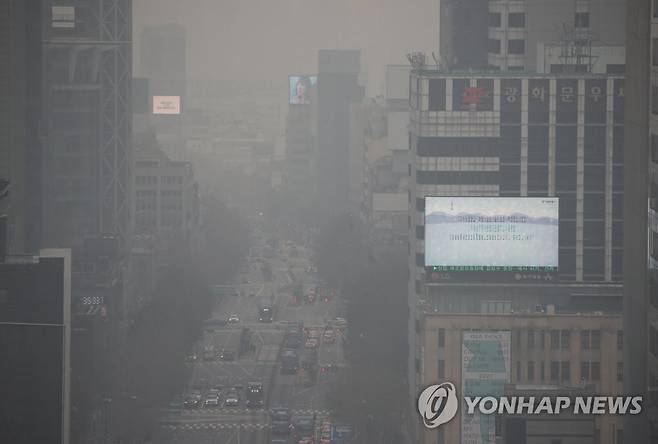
[[237, 424]]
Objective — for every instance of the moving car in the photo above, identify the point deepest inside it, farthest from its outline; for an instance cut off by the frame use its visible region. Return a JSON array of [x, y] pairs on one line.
[[304, 428], [232, 398], [227, 355], [209, 353], [212, 400], [280, 418], [233, 319], [192, 400], [254, 394], [213, 324], [192, 357]]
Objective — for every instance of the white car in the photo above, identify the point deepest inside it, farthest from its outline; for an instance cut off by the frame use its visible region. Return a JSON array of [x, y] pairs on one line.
[[233, 319], [232, 398]]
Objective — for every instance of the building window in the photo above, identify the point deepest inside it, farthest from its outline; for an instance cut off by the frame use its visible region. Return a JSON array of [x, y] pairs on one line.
[[531, 339], [518, 370], [584, 371], [584, 340], [494, 19], [516, 46], [531, 370], [596, 340], [442, 370], [516, 20], [493, 46], [654, 8], [565, 371], [555, 339], [437, 95], [596, 371], [542, 374], [654, 99], [566, 340], [442, 337], [518, 339], [516, 68], [542, 340], [582, 19], [620, 371], [654, 148], [654, 51], [620, 339], [555, 370]]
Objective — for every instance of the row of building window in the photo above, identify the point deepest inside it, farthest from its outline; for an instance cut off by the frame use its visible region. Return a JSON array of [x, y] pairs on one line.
[[517, 20], [514, 20], [514, 46], [153, 180], [559, 339], [163, 193], [590, 371]]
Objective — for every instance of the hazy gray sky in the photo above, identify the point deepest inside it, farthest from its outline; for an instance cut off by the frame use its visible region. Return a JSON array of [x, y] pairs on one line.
[[265, 40]]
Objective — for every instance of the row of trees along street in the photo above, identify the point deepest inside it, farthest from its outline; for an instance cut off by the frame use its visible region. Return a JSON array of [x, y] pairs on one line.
[[369, 394], [152, 369]]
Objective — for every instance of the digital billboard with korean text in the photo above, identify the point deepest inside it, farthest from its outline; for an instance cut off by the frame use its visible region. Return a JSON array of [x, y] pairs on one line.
[[491, 233]]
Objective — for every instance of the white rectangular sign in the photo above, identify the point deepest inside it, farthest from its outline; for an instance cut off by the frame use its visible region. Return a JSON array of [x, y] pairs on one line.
[[166, 105]]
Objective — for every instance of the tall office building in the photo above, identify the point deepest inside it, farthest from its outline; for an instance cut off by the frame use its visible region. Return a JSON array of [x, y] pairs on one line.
[[35, 337], [507, 135], [87, 73], [162, 55], [641, 184], [301, 136], [338, 88], [20, 121], [531, 35], [463, 34]]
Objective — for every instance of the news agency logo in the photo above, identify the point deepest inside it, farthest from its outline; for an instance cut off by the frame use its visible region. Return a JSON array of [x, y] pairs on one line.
[[438, 404]]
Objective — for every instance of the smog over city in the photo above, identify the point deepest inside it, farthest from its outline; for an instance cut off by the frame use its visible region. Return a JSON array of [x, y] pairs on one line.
[[338, 222]]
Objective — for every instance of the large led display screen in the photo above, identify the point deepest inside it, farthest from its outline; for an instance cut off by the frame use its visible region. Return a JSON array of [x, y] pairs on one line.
[[491, 233], [301, 89]]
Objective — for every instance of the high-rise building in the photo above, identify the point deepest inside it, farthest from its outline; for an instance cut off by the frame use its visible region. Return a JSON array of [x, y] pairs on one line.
[[162, 60], [166, 197], [20, 121], [35, 338], [641, 186], [530, 35], [507, 135], [338, 88], [87, 71], [162, 55], [301, 134], [463, 28]]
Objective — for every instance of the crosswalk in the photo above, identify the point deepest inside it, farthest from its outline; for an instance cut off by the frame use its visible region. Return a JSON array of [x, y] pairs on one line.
[[244, 411], [214, 426]]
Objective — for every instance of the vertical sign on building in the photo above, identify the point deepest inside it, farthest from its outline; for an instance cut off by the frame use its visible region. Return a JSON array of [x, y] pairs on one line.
[[595, 101], [538, 94], [510, 100], [485, 371], [567, 101]]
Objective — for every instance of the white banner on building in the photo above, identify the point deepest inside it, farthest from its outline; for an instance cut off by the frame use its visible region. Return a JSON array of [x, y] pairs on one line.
[[485, 371]]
